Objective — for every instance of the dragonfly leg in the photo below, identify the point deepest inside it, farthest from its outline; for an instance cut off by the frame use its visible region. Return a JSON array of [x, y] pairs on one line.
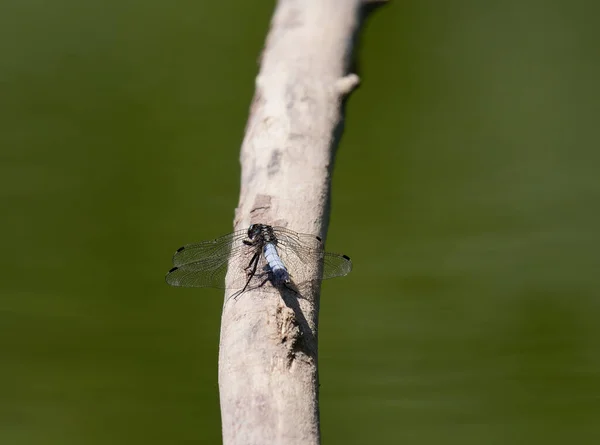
[[253, 260], [251, 273], [265, 281]]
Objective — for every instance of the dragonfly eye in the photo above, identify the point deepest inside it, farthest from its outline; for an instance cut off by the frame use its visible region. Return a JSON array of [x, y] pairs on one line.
[[251, 231]]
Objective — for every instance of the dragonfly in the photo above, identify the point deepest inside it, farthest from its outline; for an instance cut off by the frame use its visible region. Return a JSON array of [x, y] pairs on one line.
[[249, 259]]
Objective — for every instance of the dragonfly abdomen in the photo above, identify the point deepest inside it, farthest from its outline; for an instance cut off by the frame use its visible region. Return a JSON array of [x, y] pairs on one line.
[[280, 273]]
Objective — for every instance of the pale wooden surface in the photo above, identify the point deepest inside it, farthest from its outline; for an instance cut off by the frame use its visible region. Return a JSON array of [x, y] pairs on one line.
[[268, 377]]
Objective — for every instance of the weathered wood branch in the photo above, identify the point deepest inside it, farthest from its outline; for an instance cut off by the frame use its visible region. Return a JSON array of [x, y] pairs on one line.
[[268, 376]]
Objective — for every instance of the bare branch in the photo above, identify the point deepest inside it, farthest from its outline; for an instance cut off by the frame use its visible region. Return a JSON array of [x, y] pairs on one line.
[[268, 352]]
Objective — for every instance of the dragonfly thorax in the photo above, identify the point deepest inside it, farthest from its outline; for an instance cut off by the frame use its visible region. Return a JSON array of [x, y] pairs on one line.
[[262, 234]]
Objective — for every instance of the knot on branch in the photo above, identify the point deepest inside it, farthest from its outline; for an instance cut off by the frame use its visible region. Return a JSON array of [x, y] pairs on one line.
[[345, 85]]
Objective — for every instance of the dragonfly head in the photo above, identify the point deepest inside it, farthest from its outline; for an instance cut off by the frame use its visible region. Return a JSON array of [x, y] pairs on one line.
[[253, 230]]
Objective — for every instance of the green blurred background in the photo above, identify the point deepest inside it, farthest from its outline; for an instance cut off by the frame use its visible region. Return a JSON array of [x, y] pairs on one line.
[[466, 190]]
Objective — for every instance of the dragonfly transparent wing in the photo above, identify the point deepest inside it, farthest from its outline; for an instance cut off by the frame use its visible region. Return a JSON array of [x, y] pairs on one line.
[[305, 257], [205, 264], [336, 265], [215, 249]]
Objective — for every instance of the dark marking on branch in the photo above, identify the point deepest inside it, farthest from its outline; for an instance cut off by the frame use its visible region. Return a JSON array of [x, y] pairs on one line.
[[274, 164]]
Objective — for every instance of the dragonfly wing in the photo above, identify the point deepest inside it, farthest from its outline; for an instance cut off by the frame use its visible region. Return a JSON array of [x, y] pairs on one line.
[[336, 265], [306, 259], [206, 264], [213, 249], [199, 274]]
